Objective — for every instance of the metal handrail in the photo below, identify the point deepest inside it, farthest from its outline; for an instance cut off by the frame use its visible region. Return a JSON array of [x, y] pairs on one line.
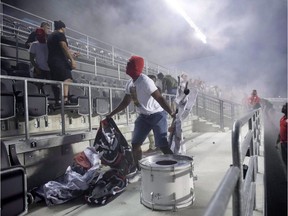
[[217, 110], [61, 84], [233, 184]]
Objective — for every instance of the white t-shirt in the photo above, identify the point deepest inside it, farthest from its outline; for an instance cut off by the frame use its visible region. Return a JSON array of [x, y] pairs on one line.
[[40, 50], [141, 91]]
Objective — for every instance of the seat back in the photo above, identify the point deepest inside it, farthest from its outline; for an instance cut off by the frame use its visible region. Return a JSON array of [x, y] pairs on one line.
[[13, 187], [37, 102], [8, 100]]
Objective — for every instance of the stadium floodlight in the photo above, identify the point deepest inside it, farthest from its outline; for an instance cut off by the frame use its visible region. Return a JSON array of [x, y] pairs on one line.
[[175, 6]]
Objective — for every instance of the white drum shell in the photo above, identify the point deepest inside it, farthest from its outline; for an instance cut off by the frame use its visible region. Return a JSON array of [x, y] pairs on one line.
[[167, 182]]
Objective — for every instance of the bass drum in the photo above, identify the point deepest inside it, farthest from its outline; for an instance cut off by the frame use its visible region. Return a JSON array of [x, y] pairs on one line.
[[167, 182]]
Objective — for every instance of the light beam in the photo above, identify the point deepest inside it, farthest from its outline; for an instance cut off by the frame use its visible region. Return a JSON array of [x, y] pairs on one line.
[[175, 6]]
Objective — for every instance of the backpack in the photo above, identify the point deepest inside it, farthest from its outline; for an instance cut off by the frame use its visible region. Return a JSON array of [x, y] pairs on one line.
[[169, 82], [106, 187]]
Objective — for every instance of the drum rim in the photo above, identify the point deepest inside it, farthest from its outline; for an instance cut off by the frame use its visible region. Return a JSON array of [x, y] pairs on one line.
[[155, 158]]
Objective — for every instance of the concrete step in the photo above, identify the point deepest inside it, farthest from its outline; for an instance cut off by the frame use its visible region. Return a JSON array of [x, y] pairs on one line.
[[201, 125]]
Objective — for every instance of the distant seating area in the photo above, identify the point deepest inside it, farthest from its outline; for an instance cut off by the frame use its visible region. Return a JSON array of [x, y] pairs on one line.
[[98, 87]]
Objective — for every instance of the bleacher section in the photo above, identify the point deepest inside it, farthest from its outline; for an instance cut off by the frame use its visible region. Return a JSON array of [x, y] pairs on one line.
[[46, 134]]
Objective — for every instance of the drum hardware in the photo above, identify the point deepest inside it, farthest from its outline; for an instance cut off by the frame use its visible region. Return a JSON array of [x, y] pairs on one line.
[[175, 202], [152, 199], [192, 169], [174, 175]]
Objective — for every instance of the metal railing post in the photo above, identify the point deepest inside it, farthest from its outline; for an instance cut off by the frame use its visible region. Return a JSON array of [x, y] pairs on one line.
[[27, 134], [236, 155], [113, 55], [90, 108], [95, 66], [222, 115], [62, 109]]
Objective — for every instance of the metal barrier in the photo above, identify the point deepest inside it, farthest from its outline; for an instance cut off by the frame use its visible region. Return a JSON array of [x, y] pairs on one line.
[[111, 93], [219, 111], [241, 185]]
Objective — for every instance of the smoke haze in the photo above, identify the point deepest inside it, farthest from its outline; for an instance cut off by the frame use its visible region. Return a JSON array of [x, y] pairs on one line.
[[246, 40]]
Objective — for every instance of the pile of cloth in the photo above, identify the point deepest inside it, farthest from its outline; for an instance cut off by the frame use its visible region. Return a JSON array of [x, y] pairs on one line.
[[87, 177]]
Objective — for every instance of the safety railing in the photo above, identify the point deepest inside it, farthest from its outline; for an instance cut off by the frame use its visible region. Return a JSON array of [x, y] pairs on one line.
[[240, 184], [219, 111], [108, 100]]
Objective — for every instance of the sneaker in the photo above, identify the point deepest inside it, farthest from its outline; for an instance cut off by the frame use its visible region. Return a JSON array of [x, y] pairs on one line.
[[134, 178]]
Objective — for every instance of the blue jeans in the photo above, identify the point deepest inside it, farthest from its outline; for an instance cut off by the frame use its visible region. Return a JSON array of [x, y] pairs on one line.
[[145, 123]]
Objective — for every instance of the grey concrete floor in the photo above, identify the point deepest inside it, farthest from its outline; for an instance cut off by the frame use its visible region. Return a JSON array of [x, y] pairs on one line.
[[212, 156]]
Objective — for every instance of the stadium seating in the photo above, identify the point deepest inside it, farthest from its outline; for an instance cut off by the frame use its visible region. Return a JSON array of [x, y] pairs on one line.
[[14, 198], [37, 102], [8, 100]]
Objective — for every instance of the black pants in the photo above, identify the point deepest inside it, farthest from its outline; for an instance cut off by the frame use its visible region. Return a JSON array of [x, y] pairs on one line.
[[284, 152]]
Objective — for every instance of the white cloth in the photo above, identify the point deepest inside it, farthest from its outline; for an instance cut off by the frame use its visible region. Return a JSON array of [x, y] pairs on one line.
[[141, 91], [40, 50], [184, 106]]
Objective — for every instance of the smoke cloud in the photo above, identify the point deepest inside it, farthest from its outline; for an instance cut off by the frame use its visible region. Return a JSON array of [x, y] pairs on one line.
[[246, 40]]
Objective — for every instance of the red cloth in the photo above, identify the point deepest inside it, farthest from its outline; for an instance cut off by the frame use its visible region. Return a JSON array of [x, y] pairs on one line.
[[135, 66], [40, 35], [283, 129], [82, 160], [253, 100]]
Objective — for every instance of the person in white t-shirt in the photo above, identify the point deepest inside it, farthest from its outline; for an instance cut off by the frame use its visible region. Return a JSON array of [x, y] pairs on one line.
[[151, 107], [39, 55]]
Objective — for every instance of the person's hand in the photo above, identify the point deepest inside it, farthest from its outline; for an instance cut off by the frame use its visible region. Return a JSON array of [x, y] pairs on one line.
[[73, 64], [171, 129], [76, 54], [173, 115]]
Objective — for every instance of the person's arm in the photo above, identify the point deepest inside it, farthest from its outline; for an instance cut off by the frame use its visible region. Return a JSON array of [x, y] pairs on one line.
[[32, 60], [68, 53], [31, 38], [163, 103], [123, 104]]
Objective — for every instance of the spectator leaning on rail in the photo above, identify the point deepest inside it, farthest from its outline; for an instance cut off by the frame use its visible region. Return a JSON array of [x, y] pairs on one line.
[[32, 36], [149, 104], [254, 100], [283, 138], [39, 55], [60, 59]]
